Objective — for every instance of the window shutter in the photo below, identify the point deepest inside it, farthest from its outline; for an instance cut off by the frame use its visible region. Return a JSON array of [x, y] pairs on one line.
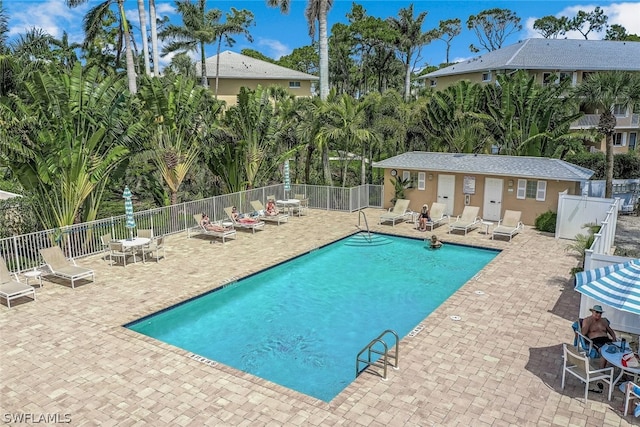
[[422, 180], [541, 194], [406, 175], [522, 189]]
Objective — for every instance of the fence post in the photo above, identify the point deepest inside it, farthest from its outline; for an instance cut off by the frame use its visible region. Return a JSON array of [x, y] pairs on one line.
[[15, 253]]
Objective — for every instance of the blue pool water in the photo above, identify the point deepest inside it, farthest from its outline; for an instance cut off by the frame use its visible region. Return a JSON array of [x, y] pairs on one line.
[[302, 323]]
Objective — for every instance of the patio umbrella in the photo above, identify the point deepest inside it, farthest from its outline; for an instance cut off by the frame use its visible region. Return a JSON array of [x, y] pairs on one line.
[[616, 285], [128, 211], [287, 180]]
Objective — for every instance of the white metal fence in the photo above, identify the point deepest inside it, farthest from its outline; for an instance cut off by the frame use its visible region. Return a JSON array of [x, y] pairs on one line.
[[80, 240]]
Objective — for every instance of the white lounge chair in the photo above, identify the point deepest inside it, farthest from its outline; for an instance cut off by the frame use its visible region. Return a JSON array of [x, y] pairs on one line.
[[437, 216], [399, 212], [259, 207], [60, 267], [467, 221], [246, 223], [11, 288], [223, 232], [510, 225]]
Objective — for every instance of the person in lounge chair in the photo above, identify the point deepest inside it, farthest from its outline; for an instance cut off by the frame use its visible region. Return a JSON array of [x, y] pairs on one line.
[[241, 218], [597, 329], [271, 209], [206, 223], [424, 218], [435, 243]]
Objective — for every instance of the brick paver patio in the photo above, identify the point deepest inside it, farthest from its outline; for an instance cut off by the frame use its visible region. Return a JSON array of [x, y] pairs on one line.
[[500, 364]]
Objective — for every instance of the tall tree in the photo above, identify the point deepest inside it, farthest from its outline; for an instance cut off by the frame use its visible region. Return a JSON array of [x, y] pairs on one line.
[[492, 27], [142, 16], [409, 40], [92, 25], [619, 33], [154, 37], [603, 90], [551, 27], [447, 30], [70, 133], [236, 22], [585, 22], [198, 30], [316, 11], [179, 116]]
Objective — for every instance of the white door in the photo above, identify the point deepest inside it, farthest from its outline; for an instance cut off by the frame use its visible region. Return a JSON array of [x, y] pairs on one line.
[[447, 191], [492, 199]]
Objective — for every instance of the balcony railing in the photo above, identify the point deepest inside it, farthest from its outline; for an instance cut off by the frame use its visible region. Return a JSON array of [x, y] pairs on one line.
[[81, 240]]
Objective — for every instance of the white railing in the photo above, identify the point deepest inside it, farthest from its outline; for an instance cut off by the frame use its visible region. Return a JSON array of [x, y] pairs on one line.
[[80, 240], [603, 239]]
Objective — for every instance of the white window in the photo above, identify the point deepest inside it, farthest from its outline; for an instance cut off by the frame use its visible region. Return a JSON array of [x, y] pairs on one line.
[[619, 110], [294, 85], [432, 82], [619, 139], [633, 139], [406, 175], [564, 76], [486, 77], [531, 189], [422, 180]]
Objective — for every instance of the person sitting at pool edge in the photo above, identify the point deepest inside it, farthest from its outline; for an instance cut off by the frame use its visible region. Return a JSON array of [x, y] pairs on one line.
[[435, 243], [271, 209], [424, 218], [597, 329]]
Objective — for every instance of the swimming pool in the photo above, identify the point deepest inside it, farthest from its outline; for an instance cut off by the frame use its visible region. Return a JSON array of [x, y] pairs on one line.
[[301, 324]]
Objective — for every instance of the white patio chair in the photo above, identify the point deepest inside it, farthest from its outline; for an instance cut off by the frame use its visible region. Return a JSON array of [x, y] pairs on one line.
[[578, 365]]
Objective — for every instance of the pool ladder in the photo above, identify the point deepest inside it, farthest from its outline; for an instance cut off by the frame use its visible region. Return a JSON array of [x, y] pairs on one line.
[[362, 214], [385, 354]]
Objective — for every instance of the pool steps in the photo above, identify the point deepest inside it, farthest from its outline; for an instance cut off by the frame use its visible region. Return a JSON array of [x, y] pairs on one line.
[[363, 239]]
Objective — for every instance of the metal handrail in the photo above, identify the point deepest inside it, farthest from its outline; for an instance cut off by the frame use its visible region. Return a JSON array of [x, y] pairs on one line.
[[386, 355], [362, 214]]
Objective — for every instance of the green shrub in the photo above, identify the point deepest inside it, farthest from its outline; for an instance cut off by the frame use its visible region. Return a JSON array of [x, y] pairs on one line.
[[547, 222]]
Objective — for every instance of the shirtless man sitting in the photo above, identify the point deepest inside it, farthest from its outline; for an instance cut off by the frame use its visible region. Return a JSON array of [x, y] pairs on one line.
[[597, 329]]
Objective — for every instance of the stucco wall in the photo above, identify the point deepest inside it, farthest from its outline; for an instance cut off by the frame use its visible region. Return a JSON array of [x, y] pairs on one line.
[[228, 89], [530, 208]]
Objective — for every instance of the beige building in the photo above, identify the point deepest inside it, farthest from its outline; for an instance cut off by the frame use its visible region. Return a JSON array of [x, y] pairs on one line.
[[236, 71], [493, 183], [552, 60]]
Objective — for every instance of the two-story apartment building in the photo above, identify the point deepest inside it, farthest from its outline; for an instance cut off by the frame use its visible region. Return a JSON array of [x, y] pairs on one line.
[[237, 70], [551, 60]]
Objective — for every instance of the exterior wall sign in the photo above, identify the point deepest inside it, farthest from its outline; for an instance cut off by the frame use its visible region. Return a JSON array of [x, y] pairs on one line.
[[469, 185]]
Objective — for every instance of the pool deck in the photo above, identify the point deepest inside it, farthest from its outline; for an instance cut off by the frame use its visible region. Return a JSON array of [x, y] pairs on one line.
[[500, 364]]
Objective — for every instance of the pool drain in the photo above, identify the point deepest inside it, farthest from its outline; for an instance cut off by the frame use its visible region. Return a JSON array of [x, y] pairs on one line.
[[479, 293], [455, 318]]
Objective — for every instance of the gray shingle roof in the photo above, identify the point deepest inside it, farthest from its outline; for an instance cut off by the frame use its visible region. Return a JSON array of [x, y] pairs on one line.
[[552, 54], [518, 166], [237, 66]]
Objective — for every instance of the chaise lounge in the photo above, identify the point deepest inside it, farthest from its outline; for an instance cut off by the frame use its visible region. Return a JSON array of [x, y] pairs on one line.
[[468, 221], [246, 223], [259, 207], [11, 288], [437, 216], [219, 231], [60, 267], [509, 226], [399, 212]]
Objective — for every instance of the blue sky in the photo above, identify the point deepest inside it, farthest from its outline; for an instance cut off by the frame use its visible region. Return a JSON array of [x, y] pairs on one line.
[[276, 34]]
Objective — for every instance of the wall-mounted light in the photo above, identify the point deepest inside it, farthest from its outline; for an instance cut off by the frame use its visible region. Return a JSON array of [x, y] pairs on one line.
[[430, 176], [510, 183]]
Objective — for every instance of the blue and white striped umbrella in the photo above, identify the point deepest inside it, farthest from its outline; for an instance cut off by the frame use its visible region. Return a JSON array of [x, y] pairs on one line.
[[616, 285], [128, 210], [287, 179]]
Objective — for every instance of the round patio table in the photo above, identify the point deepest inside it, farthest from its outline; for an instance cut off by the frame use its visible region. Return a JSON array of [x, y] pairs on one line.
[[616, 360]]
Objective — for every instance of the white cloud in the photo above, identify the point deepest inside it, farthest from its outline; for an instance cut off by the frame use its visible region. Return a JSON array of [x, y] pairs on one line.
[[276, 49], [52, 16], [165, 9], [625, 14]]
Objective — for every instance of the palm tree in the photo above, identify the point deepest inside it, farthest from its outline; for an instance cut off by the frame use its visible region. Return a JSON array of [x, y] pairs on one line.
[[346, 126], [92, 22], [316, 11], [68, 134], [179, 117], [142, 16], [237, 22], [409, 40], [604, 90], [198, 30], [154, 38]]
